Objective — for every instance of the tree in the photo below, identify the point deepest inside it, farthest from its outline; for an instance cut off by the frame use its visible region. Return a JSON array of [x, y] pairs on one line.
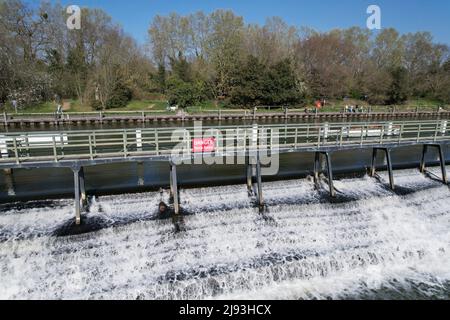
[[160, 78], [120, 95], [273, 42], [225, 48], [204, 56], [181, 68], [398, 92], [389, 49], [182, 88], [442, 92], [77, 67], [326, 61], [181, 93], [281, 87], [249, 83], [257, 84]]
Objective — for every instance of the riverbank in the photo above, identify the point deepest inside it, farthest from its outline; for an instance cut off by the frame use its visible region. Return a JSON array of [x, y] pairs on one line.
[[22, 122], [160, 107]]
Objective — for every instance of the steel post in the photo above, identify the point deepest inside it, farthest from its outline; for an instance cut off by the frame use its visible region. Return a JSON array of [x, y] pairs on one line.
[[316, 169], [442, 160], [259, 181], [76, 178], [374, 160], [423, 161], [174, 188], [389, 165], [330, 175], [249, 175], [82, 188]]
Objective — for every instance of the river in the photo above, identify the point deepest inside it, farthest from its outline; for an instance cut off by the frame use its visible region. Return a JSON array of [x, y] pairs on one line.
[[368, 243]]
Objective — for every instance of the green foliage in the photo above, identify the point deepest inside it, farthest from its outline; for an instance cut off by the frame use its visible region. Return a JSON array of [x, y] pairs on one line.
[[160, 78], [256, 84], [201, 57], [399, 91], [119, 97], [281, 86], [250, 82], [182, 90], [181, 68], [181, 93], [96, 105]]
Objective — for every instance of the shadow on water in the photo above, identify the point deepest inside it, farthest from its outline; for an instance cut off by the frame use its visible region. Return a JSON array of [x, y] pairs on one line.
[[88, 224], [430, 175], [340, 198], [400, 190], [396, 290], [92, 224], [40, 204]]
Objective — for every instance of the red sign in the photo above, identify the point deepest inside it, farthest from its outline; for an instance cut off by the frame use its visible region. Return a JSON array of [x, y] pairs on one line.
[[203, 145], [318, 104]]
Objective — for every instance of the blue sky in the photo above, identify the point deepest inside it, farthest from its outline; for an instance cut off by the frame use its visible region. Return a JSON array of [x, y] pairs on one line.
[[404, 15]]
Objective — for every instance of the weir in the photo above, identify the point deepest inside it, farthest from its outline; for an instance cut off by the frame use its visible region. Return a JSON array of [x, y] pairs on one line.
[[80, 149], [387, 152]]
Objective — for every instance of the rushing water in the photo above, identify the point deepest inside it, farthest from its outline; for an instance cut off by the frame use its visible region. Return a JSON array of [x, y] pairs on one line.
[[368, 243]]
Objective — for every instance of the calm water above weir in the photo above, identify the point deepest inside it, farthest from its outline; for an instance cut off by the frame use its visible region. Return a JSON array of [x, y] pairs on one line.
[[170, 124]]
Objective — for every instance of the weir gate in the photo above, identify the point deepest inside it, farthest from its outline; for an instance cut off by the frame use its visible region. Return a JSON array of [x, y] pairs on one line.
[[247, 144]]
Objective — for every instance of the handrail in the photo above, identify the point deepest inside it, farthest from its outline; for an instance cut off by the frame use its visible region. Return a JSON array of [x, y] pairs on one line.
[[170, 129], [223, 112], [54, 146]]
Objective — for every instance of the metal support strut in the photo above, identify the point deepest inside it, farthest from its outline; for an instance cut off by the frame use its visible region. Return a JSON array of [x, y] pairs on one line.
[[76, 180], [249, 175], [441, 160], [82, 188], [250, 168], [259, 182], [174, 188], [316, 169], [329, 172], [389, 165], [80, 192]]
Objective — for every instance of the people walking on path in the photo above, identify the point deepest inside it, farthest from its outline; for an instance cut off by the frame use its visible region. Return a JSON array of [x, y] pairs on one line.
[[15, 105], [59, 111]]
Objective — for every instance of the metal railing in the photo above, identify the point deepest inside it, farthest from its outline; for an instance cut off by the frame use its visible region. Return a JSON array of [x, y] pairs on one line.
[[145, 114], [23, 147]]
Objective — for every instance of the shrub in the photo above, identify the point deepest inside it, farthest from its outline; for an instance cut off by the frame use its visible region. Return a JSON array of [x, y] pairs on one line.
[[183, 94], [120, 97]]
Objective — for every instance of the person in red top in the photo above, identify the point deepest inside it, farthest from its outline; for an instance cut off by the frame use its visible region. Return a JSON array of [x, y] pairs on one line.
[[318, 104]]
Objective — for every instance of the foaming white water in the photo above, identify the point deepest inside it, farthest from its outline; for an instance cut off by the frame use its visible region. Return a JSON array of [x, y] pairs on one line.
[[309, 248]]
